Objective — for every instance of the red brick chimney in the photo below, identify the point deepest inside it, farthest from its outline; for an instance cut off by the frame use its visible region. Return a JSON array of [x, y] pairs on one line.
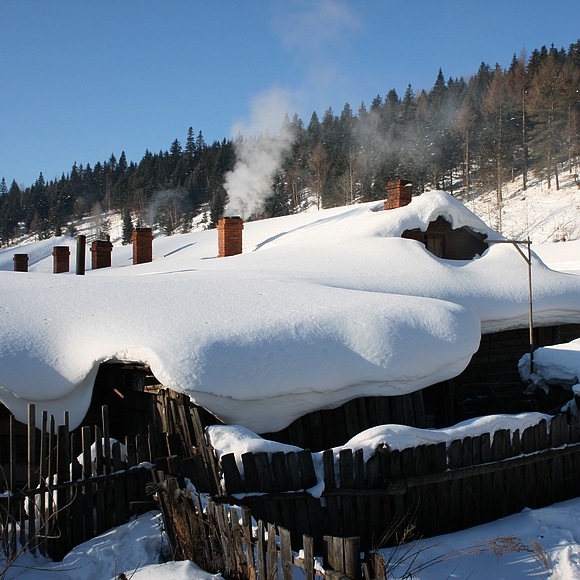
[[230, 236], [101, 251], [61, 259], [20, 262], [142, 239], [399, 193]]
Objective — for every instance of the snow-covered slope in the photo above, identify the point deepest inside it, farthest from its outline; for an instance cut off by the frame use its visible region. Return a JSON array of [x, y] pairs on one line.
[[540, 213], [320, 308]]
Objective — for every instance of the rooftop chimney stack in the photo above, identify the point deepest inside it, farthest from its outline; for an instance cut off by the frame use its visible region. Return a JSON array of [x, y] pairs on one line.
[[230, 236], [61, 259], [101, 251], [399, 193], [81, 254], [142, 239], [20, 262]]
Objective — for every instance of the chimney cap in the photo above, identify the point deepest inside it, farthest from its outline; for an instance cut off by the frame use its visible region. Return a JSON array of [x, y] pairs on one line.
[[232, 218], [399, 183]]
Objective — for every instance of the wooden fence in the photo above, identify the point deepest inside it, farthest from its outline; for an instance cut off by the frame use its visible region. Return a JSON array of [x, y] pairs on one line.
[[432, 489], [79, 484], [62, 487], [219, 538]]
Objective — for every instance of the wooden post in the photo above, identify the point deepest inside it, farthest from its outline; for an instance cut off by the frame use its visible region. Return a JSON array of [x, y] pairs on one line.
[[352, 566], [87, 488], [272, 556], [11, 475], [308, 544], [44, 529], [32, 479], [286, 554], [81, 251], [65, 540], [247, 540], [261, 551]]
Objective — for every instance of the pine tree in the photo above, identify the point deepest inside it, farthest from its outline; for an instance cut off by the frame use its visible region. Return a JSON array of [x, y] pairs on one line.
[[190, 144], [127, 228]]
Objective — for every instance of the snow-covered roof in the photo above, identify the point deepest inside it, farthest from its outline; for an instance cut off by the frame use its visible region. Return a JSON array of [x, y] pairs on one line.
[[320, 308]]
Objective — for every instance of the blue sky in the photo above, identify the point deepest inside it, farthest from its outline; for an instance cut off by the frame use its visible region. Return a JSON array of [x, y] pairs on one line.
[[83, 79]]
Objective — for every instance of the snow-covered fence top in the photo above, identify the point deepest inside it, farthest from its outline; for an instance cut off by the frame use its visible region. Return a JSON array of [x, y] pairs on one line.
[[441, 485]]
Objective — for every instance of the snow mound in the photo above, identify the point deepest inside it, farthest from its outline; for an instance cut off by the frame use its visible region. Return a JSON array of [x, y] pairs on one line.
[[320, 308]]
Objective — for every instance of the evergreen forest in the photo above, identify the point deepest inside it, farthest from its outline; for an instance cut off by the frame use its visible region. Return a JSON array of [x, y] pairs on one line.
[[475, 134]]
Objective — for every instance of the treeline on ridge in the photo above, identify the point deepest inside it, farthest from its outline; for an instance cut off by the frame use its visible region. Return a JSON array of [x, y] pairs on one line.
[[483, 131]]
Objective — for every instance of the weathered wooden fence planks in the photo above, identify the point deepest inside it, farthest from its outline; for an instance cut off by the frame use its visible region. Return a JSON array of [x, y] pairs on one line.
[[80, 484], [433, 489], [72, 492], [221, 539]]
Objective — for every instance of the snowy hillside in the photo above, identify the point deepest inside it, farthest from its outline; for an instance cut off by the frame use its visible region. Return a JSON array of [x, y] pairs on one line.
[[538, 213]]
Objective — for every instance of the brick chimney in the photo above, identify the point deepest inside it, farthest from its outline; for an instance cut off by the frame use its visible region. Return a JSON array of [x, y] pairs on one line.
[[142, 239], [20, 262], [61, 259], [230, 236], [101, 251], [399, 193]]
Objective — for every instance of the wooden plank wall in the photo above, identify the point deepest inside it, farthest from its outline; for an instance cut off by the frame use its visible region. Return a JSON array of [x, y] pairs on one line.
[[83, 482], [333, 427], [491, 383]]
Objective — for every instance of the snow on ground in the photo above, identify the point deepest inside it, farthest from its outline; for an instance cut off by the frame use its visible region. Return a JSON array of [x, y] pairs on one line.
[[562, 256], [320, 308], [541, 543], [138, 549]]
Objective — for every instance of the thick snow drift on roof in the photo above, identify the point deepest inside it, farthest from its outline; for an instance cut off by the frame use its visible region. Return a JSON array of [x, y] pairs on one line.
[[320, 308]]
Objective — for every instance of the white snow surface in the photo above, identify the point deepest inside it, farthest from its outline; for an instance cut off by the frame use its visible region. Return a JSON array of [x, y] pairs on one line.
[[138, 550], [320, 308], [554, 365]]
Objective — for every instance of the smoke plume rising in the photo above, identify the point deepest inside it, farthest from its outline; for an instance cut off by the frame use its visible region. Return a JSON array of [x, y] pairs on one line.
[[260, 148]]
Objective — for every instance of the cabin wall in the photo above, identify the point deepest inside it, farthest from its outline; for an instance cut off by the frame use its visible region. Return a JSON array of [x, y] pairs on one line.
[[329, 428], [491, 383]]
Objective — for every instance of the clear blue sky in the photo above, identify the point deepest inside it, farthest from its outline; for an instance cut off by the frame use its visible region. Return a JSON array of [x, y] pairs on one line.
[[83, 79]]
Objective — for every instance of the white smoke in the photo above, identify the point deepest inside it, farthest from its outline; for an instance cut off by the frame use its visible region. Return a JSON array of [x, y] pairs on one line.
[[260, 148]]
